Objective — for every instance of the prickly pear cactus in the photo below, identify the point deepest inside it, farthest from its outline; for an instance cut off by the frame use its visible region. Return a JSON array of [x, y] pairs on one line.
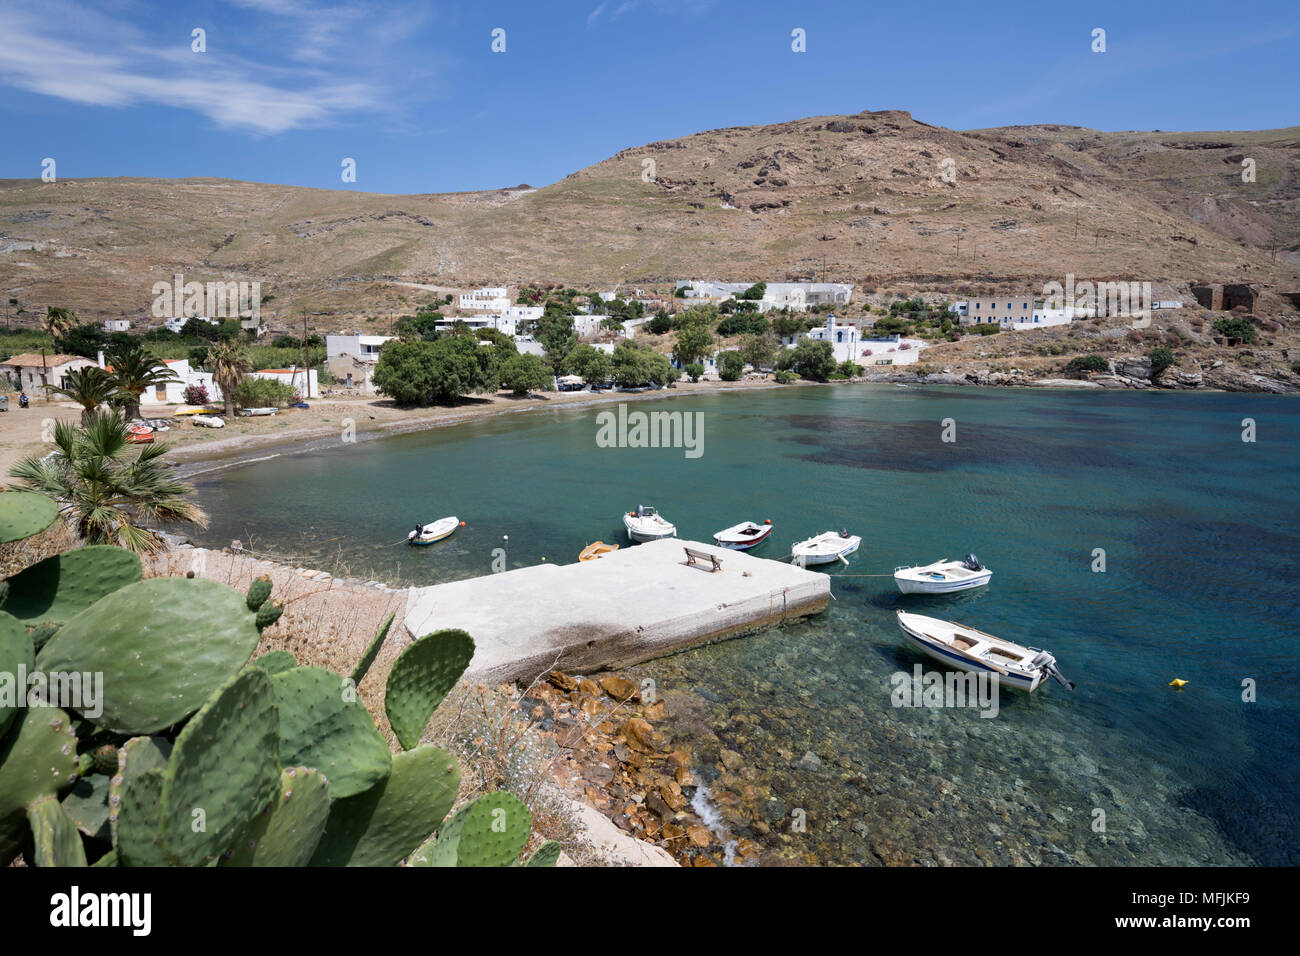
[[223, 770], [275, 662], [86, 804], [54, 835], [62, 586], [258, 592], [368, 658], [421, 677], [23, 514], [286, 832], [137, 825], [490, 830], [41, 633], [548, 854], [16, 654], [388, 821], [163, 645], [268, 614], [38, 758], [323, 725]]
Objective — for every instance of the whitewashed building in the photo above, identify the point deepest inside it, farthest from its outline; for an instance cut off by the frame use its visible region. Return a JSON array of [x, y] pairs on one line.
[[351, 359], [489, 299], [795, 296], [117, 325]]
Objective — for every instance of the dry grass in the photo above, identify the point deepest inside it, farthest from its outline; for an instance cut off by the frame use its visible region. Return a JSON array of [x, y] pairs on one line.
[[55, 539]]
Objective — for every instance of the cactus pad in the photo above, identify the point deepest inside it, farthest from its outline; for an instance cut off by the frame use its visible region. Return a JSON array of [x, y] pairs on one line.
[[495, 828], [258, 592], [421, 677], [275, 662], [286, 832], [54, 834], [268, 614], [23, 514], [320, 728], [62, 586], [368, 658], [86, 804], [548, 854], [136, 757], [163, 646], [388, 821], [135, 833], [223, 771], [37, 759], [16, 653]]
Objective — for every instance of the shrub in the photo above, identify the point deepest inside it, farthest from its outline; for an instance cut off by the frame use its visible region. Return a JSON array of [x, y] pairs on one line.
[[1081, 365], [812, 359], [525, 373], [263, 393], [1161, 359], [849, 369], [987, 328], [1236, 330], [785, 377], [695, 370], [730, 366], [195, 395]]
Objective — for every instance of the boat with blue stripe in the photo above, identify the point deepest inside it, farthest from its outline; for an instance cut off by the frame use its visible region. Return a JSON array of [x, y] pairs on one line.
[[977, 652]]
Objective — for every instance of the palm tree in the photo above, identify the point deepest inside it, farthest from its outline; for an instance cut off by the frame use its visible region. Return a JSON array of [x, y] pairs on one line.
[[58, 321], [104, 491], [135, 370], [89, 387], [228, 366]]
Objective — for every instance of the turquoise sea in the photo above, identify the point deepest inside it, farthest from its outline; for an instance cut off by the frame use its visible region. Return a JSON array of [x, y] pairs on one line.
[[1201, 538]]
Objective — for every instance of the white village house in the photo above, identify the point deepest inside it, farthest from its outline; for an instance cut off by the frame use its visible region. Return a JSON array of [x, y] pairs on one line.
[[489, 299], [31, 370], [117, 325], [352, 358], [795, 296]]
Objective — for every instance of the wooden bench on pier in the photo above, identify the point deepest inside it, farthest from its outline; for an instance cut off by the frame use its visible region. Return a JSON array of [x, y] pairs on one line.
[[692, 556]]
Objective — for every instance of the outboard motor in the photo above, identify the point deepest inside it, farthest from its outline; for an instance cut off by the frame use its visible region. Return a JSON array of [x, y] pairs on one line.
[[844, 532], [971, 563], [1047, 662]]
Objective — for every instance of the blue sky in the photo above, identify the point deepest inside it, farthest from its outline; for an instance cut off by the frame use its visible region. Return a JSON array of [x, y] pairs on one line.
[[413, 92]]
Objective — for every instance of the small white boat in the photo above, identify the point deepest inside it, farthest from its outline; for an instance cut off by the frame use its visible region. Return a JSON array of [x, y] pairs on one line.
[[743, 536], [943, 576], [268, 410], [975, 652], [647, 524], [826, 547], [436, 531], [208, 421]]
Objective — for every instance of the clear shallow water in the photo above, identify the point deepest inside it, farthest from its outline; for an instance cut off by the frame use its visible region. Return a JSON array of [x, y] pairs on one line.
[[1201, 533]]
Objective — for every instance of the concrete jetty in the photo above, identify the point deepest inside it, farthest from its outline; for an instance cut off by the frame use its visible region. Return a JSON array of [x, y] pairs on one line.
[[637, 603]]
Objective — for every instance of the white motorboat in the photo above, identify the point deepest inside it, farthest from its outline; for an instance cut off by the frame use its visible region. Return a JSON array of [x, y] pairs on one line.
[[436, 531], [743, 536], [268, 410], [825, 548], [976, 652], [943, 576], [647, 524], [208, 421]]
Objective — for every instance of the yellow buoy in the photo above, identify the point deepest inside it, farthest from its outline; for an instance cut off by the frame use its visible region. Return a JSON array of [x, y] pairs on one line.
[[1178, 682]]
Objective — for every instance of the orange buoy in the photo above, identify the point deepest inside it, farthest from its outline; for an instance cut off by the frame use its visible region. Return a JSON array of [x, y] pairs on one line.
[[767, 521], [462, 524]]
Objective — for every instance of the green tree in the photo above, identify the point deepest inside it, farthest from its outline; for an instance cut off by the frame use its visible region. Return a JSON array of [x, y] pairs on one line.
[[593, 364], [198, 329], [85, 340], [1081, 365], [812, 359], [89, 387], [555, 332], [134, 371], [754, 292], [730, 366], [661, 324], [228, 366], [1161, 358], [695, 370], [57, 322], [526, 373], [759, 350], [106, 492], [694, 342], [440, 371]]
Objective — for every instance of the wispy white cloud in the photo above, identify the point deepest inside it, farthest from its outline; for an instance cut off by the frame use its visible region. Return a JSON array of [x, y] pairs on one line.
[[595, 15], [293, 72]]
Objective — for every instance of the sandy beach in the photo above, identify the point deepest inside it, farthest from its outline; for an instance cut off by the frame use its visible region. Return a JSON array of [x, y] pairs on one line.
[[22, 432]]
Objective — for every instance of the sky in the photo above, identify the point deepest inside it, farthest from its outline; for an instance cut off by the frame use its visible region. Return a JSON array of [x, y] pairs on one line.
[[439, 97]]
